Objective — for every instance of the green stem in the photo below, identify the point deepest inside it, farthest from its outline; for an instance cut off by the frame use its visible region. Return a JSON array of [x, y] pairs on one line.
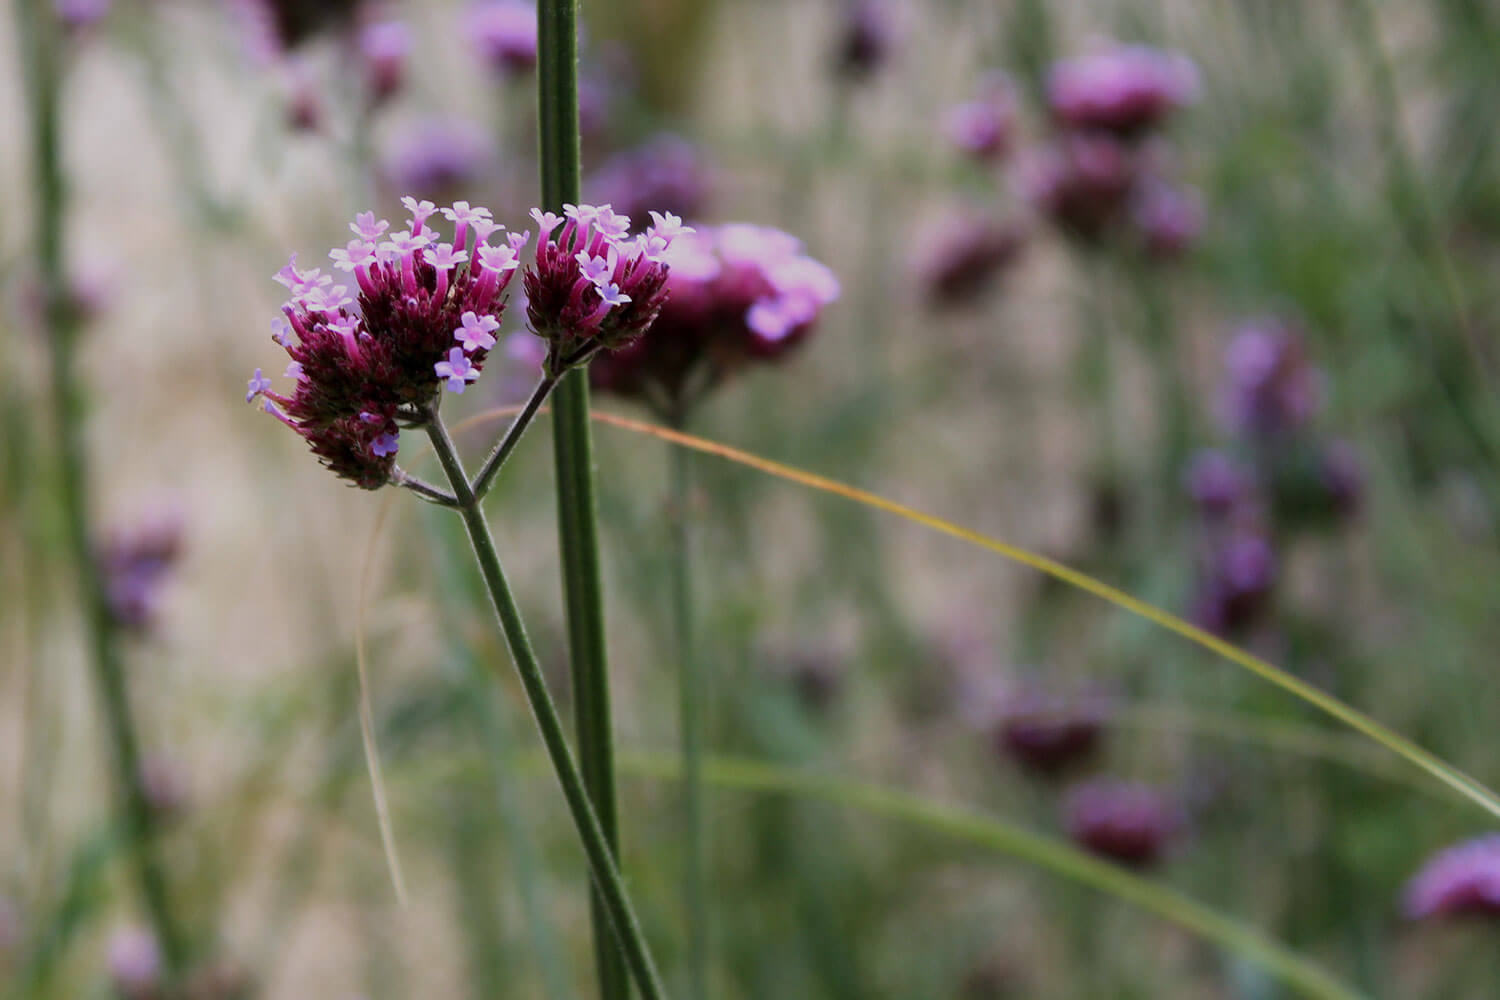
[[557, 128], [38, 26], [609, 887], [691, 724], [507, 444]]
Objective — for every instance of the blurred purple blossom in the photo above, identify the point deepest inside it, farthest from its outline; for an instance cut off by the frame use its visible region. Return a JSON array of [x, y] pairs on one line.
[[666, 173], [437, 157], [1217, 484], [1129, 823], [136, 563], [866, 35], [1046, 733], [1463, 880], [1236, 580], [135, 966], [985, 127], [79, 15], [964, 256], [504, 34], [1083, 183], [1272, 388], [1169, 218], [736, 292], [384, 47], [1120, 89]]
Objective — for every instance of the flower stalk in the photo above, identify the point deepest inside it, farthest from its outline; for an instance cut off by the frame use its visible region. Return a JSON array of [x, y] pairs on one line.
[[627, 942], [557, 119]]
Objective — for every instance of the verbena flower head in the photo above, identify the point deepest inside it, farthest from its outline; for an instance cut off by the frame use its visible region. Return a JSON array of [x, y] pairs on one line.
[[1236, 580], [593, 286], [1272, 388], [963, 258], [1083, 183], [1217, 484], [1047, 733], [867, 33], [437, 158], [1121, 89], [1463, 880], [737, 292], [384, 47], [135, 966], [985, 127], [665, 173], [388, 341], [273, 27], [503, 32], [1167, 217], [136, 564], [80, 15], [1129, 823]]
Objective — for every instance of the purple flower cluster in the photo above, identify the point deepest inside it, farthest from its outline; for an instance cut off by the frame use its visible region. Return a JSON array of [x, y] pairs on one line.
[[274, 27], [1273, 389], [737, 292], [135, 963], [135, 565], [1124, 90], [1047, 733], [594, 286], [964, 257], [1463, 880], [384, 47], [1289, 479], [866, 35], [1129, 823], [421, 316], [80, 15], [1095, 179], [666, 173], [985, 127], [436, 157], [503, 33]]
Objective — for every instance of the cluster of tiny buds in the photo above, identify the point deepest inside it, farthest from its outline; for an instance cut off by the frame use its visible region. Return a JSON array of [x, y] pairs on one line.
[[422, 316], [426, 317], [593, 286]]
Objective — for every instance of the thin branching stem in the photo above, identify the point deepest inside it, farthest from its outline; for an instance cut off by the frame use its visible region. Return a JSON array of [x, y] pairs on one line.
[[627, 939], [492, 465], [422, 488]]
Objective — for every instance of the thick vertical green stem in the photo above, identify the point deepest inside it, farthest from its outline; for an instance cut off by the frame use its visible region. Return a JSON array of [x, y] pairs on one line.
[[557, 126], [627, 941], [41, 43], [691, 725]]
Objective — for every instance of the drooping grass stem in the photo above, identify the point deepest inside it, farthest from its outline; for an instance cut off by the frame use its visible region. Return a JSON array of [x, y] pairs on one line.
[[557, 127], [627, 942], [690, 723], [41, 43]]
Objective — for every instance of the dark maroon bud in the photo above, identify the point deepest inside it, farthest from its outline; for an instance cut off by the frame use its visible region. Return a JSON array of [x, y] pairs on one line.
[[1129, 823], [1217, 484], [966, 257], [1047, 734], [867, 34], [1083, 183]]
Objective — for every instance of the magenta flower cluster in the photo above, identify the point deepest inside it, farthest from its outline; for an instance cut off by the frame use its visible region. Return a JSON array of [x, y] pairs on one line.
[[420, 316], [1289, 477], [594, 286], [1463, 880], [738, 292], [1121, 89], [1127, 822]]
